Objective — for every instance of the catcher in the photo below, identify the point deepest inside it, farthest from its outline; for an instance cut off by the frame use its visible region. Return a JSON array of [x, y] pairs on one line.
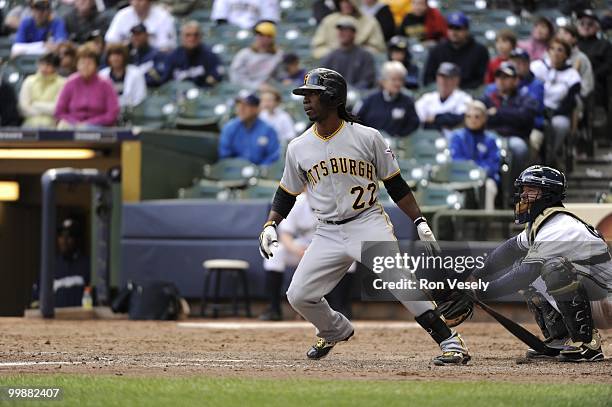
[[564, 270]]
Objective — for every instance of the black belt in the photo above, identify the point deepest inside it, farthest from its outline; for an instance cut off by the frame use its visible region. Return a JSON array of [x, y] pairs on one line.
[[592, 261], [340, 222]]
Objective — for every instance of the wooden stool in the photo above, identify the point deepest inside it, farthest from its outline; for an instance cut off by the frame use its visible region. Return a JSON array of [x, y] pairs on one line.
[[237, 270]]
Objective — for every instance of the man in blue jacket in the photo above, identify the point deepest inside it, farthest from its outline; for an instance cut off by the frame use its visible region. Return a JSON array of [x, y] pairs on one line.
[[511, 114], [192, 60], [42, 31], [473, 143], [533, 87], [247, 136], [144, 55]]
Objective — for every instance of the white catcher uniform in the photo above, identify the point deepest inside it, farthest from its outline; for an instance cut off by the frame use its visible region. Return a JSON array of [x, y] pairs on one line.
[[342, 174], [566, 236]]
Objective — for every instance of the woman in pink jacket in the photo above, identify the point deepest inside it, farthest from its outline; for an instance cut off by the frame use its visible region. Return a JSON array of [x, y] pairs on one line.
[[87, 100]]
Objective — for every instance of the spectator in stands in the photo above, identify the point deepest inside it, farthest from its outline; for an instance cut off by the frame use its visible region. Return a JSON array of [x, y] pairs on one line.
[[352, 61], [245, 13], [144, 56], [323, 8], [39, 93], [459, 48], [39, 33], [579, 61], [537, 44], [84, 19], [424, 23], [192, 60], [474, 143], [599, 51], [368, 35], [444, 108], [399, 9], [159, 23], [291, 73], [273, 114], [15, 15], [87, 100], [561, 88], [390, 110], [96, 41], [9, 114], [505, 42], [247, 136], [254, 65], [382, 13], [128, 80], [398, 51], [66, 52], [511, 114], [533, 87]]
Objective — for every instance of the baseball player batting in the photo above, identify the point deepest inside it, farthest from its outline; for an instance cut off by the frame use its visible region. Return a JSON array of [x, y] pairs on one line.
[[340, 162]]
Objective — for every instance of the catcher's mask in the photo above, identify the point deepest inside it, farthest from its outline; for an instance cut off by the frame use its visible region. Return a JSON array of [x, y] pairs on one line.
[[551, 184], [329, 83]]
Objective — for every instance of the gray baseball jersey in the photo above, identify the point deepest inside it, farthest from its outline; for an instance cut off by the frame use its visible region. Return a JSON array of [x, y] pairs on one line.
[[341, 171], [342, 174]]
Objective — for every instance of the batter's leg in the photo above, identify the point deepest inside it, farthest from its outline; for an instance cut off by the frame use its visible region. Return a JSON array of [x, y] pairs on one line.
[[323, 265]]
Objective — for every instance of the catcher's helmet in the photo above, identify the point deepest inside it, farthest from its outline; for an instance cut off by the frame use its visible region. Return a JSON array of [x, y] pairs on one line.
[[551, 182], [330, 83]]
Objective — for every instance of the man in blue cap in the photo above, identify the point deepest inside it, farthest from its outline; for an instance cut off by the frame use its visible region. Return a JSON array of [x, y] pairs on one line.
[[247, 136], [459, 48]]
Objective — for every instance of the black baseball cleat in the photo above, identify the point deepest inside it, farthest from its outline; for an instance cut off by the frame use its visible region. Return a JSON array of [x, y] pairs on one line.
[[452, 358], [560, 344], [320, 349], [454, 351], [583, 352]]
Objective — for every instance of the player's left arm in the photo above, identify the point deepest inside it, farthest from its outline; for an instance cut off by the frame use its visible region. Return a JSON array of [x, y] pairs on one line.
[[401, 194], [388, 171]]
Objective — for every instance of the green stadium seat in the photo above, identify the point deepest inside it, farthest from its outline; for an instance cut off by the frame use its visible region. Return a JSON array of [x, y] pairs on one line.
[[231, 172], [436, 197], [155, 112], [26, 64], [205, 189], [259, 191], [459, 175]]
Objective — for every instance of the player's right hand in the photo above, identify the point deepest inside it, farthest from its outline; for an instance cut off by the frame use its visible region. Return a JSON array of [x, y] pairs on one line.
[[268, 239]]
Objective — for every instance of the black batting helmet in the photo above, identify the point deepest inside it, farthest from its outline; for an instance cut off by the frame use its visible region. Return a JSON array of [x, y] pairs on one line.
[[330, 83], [550, 181]]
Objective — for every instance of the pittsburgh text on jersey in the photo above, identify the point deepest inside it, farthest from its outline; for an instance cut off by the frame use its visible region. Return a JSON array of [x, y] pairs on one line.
[[340, 165]]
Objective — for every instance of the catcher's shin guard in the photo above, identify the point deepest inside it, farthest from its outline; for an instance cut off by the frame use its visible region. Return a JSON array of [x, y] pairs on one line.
[[571, 297], [547, 317]]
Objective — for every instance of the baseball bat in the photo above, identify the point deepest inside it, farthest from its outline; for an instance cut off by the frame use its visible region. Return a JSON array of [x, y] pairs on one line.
[[515, 329]]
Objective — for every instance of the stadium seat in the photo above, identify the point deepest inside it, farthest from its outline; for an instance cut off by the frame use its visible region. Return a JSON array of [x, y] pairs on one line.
[[231, 172], [273, 171], [432, 198], [205, 189], [26, 64], [459, 175], [155, 112], [259, 190]]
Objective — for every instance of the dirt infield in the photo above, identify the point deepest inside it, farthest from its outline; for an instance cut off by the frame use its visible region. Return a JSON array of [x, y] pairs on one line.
[[244, 348]]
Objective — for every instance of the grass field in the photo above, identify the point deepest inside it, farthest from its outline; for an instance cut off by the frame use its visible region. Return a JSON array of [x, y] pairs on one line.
[[99, 390]]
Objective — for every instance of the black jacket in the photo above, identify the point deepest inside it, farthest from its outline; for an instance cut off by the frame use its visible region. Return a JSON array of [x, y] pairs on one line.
[[472, 58], [9, 115], [599, 52]]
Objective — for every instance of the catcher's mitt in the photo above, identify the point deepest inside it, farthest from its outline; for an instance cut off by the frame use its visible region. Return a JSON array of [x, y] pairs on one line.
[[456, 308]]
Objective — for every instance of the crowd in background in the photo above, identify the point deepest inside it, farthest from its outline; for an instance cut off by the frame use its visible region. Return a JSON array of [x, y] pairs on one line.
[[96, 61]]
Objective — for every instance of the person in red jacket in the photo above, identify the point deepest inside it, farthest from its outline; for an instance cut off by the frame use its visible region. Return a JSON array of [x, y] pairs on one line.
[[424, 22], [505, 42]]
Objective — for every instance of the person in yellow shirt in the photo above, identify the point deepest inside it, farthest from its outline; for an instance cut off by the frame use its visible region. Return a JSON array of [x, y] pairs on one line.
[[399, 9], [39, 93]]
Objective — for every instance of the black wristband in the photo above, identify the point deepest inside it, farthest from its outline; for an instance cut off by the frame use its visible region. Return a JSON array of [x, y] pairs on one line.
[[419, 220]]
